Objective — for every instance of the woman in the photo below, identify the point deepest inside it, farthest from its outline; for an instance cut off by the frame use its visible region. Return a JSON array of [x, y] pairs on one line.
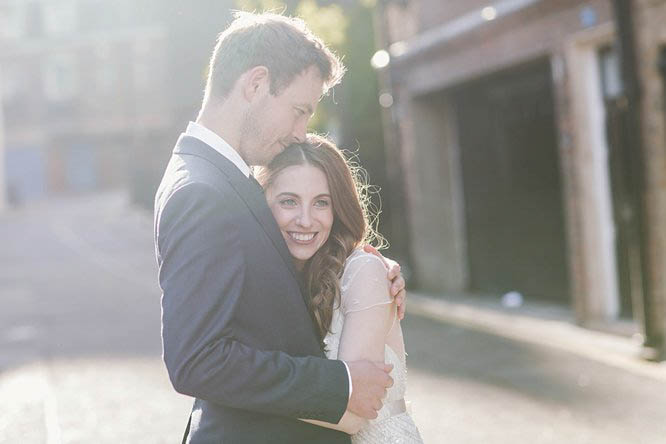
[[320, 205]]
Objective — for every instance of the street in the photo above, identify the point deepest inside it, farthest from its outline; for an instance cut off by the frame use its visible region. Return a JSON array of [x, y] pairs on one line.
[[80, 351]]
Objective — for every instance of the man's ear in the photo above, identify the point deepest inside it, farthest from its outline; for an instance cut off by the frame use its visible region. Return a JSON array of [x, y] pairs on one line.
[[254, 82]]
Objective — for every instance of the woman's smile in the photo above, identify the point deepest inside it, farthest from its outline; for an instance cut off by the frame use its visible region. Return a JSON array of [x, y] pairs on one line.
[[301, 238]]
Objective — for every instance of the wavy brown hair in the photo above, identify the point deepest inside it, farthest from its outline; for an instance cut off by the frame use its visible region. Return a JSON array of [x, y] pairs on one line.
[[352, 222]]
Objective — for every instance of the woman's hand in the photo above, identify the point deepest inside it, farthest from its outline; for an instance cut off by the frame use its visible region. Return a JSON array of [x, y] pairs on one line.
[[398, 290]]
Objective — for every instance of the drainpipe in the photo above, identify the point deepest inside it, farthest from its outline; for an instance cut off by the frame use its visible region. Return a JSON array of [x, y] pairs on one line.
[[3, 171], [653, 345], [661, 67]]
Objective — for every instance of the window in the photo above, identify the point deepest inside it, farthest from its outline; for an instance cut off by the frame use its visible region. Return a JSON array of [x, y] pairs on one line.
[[12, 20], [144, 60], [59, 17], [12, 81], [105, 69], [611, 76], [60, 77], [33, 20]]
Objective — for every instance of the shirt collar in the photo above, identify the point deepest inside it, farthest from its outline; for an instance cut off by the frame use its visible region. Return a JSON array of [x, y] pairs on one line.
[[208, 137]]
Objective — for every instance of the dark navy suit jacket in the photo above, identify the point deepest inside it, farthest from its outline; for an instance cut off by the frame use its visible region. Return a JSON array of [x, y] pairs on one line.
[[236, 331]]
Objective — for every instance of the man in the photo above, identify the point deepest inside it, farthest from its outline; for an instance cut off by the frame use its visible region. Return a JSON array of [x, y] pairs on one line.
[[236, 331]]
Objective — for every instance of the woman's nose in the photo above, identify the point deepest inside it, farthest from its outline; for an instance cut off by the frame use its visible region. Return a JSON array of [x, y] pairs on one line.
[[304, 219]]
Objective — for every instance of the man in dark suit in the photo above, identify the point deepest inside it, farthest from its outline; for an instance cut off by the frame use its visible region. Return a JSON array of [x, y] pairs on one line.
[[236, 331]]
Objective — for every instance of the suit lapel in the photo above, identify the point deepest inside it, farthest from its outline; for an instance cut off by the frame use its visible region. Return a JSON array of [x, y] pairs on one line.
[[248, 192]]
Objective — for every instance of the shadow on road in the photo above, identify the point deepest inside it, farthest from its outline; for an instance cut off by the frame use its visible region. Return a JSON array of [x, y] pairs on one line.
[[545, 375]]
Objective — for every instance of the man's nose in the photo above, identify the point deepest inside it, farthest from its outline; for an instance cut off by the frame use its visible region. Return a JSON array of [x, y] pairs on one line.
[[300, 129]]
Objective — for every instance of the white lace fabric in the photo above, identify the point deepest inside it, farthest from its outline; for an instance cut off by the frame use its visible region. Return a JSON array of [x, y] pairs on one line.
[[364, 286]]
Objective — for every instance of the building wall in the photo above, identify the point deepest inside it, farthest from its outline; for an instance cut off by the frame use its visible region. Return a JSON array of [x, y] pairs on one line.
[[570, 33], [437, 223], [538, 31], [81, 80], [432, 12], [534, 32], [584, 153]]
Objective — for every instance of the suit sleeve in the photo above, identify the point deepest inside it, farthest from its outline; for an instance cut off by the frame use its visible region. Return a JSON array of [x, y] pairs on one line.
[[201, 273]]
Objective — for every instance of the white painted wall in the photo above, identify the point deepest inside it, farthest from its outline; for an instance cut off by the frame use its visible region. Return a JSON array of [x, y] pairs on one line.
[[592, 174]]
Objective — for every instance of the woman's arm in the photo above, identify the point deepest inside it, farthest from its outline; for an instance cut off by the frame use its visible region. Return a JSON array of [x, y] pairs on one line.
[[369, 315]]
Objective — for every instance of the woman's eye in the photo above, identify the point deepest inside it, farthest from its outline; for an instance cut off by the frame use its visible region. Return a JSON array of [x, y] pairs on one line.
[[288, 202], [322, 203]]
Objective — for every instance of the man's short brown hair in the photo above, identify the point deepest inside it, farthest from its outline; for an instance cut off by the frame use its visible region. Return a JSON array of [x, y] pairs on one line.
[[282, 44]]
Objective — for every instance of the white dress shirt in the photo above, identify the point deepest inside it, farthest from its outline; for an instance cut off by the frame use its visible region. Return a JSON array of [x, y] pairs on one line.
[[211, 139], [208, 137]]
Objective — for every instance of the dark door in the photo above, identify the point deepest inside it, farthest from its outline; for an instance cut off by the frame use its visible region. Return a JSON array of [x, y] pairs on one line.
[[511, 179], [627, 249], [622, 182]]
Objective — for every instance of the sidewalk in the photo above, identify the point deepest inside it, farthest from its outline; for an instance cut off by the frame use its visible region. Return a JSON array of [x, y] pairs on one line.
[[542, 325]]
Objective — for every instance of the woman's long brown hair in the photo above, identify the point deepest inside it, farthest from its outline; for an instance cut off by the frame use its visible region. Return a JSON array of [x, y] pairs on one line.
[[351, 222]]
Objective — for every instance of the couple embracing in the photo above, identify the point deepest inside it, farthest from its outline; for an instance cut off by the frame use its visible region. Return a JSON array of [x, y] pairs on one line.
[[274, 318]]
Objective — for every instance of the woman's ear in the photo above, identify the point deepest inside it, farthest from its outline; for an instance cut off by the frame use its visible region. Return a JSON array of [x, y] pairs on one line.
[[255, 82]]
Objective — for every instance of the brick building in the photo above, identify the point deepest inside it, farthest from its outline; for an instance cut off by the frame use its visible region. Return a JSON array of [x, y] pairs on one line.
[[94, 92], [522, 173]]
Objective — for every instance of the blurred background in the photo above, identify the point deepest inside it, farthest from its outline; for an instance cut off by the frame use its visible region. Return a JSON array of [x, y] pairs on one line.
[[518, 148]]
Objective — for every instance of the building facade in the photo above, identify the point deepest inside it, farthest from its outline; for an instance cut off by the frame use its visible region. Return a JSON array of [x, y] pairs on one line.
[[521, 169], [94, 93], [78, 82]]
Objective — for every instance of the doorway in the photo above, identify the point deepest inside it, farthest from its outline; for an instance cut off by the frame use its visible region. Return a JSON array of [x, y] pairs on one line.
[[511, 181]]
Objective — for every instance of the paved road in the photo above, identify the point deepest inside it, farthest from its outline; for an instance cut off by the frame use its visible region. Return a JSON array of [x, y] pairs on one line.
[[80, 352]]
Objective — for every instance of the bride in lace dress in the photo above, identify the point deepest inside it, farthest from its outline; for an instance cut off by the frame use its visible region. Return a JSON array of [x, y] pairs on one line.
[[320, 205]]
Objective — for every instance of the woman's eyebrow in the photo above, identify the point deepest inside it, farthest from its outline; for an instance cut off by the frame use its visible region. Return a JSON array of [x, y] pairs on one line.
[[288, 193]]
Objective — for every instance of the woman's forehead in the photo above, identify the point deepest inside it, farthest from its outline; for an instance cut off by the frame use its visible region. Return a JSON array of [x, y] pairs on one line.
[[301, 179]]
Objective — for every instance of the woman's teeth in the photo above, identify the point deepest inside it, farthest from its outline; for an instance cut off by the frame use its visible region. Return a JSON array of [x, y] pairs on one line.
[[302, 237]]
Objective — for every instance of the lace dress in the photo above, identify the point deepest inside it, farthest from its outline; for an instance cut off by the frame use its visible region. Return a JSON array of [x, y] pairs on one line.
[[363, 287]]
